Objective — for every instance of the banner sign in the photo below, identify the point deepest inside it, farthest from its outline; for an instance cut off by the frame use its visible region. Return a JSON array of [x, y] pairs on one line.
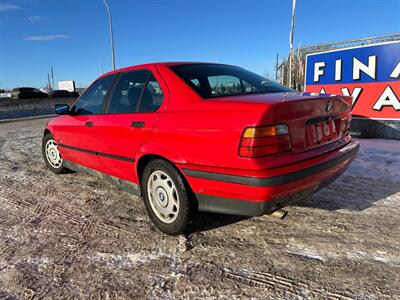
[[68, 85], [369, 73]]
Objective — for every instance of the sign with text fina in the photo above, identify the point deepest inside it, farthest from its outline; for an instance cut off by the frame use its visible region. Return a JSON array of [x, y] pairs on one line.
[[369, 73]]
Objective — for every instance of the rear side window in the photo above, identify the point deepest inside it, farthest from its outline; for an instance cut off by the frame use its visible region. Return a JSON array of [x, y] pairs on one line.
[[215, 80], [127, 92], [152, 96], [136, 91], [91, 102], [196, 82]]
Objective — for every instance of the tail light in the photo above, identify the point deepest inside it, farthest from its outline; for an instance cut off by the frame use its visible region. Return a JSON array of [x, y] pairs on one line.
[[264, 140]]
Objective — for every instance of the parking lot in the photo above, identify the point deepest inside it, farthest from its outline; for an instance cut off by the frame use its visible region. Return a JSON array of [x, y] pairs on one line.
[[75, 236]]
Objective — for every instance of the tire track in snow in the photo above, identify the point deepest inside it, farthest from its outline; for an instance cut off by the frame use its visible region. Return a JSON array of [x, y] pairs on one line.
[[271, 281]]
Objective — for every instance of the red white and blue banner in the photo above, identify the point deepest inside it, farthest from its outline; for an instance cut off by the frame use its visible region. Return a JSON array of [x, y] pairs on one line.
[[369, 73]]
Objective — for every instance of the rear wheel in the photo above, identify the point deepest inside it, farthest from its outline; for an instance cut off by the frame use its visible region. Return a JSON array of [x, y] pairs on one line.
[[166, 197], [51, 155]]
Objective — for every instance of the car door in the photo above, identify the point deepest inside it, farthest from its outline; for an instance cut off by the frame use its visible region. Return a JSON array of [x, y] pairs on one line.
[[132, 113], [74, 132]]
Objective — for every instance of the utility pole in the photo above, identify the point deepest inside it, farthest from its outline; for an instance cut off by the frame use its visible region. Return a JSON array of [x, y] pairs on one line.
[[291, 42], [111, 34], [52, 78], [276, 67], [48, 80]]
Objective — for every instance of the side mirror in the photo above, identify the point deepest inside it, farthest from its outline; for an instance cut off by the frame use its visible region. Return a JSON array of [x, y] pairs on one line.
[[62, 109]]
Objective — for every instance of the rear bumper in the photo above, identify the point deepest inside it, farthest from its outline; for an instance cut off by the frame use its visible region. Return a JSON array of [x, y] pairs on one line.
[[253, 196]]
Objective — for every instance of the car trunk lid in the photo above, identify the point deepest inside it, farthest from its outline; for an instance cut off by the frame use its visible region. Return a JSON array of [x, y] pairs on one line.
[[313, 119]]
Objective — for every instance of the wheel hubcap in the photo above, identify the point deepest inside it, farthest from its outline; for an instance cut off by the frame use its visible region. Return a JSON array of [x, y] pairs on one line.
[[163, 196], [52, 154]]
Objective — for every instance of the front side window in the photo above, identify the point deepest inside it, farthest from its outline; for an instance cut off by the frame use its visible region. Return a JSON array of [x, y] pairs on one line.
[[91, 102], [215, 80]]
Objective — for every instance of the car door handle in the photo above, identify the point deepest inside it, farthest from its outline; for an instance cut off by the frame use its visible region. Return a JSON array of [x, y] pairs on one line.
[[89, 124], [137, 124]]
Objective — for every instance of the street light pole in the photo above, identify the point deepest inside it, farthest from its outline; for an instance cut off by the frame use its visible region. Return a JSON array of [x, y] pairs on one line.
[[291, 42], [111, 34]]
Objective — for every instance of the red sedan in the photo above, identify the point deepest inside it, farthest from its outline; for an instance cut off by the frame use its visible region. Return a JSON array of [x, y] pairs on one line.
[[201, 136]]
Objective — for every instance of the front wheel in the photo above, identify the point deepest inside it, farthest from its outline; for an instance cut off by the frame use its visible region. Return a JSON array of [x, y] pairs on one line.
[[166, 197], [51, 155]]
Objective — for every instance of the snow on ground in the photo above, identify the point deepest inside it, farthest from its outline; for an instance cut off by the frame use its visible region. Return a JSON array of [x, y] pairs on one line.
[[75, 236]]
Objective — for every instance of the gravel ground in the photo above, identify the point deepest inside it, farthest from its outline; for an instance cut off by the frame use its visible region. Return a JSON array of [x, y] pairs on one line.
[[74, 236]]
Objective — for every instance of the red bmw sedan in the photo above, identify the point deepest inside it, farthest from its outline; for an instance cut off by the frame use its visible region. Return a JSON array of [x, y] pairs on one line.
[[193, 137]]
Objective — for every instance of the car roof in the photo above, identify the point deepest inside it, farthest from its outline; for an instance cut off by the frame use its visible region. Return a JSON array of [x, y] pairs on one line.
[[23, 88], [147, 65]]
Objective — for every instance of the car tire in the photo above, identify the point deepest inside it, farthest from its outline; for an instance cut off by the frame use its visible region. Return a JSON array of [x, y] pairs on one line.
[[51, 155], [167, 197]]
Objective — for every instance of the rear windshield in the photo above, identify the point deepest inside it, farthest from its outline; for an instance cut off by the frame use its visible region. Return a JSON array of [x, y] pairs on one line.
[[214, 80]]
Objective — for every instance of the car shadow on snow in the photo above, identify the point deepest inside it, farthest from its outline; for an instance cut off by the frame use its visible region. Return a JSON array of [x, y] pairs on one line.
[[208, 221], [351, 193], [348, 192]]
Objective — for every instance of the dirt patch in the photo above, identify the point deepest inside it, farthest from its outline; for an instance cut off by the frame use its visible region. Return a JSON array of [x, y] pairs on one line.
[[74, 236]]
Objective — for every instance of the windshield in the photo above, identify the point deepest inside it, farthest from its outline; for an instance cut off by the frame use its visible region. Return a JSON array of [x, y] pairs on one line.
[[215, 80]]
